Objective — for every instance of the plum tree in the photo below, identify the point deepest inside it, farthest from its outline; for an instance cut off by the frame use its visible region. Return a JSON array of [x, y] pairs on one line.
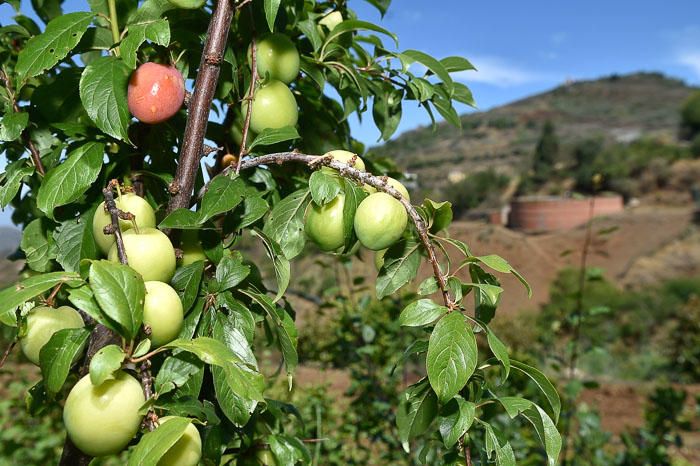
[[162, 312], [187, 451], [324, 224], [69, 93], [144, 217], [149, 252], [273, 107], [277, 58], [101, 420], [380, 221], [156, 92], [42, 323]]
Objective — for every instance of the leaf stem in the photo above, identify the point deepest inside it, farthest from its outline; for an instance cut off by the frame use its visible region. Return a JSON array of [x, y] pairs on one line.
[[114, 24]]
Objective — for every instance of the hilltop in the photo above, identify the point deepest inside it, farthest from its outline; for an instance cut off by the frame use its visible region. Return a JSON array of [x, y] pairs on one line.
[[618, 108]]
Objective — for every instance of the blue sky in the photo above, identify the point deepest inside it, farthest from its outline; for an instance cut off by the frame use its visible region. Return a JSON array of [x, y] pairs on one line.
[[521, 48]]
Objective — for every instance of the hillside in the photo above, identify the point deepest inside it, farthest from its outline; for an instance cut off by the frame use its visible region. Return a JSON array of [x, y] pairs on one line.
[[618, 108]]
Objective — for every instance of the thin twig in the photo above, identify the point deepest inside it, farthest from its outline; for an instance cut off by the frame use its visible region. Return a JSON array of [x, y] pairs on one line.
[[250, 96], [26, 138], [50, 300], [378, 182], [198, 111], [151, 419], [7, 352], [114, 212]]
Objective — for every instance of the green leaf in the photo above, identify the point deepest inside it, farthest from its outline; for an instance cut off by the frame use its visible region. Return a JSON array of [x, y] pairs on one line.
[[324, 186], [223, 195], [354, 25], [428, 286], [401, 262], [452, 355], [271, 8], [238, 314], [83, 299], [285, 225], [514, 405], [504, 453], [105, 363], [463, 94], [14, 173], [288, 450], [255, 207], [547, 432], [387, 111], [12, 125], [485, 297], [157, 31], [155, 444], [59, 354], [176, 371], [19, 293], [409, 56], [270, 136], [44, 51], [75, 242], [421, 312], [39, 248], [439, 214], [417, 409], [499, 264], [186, 282], [181, 219], [103, 93], [69, 180], [416, 347], [284, 328], [120, 292], [354, 195], [455, 419], [283, 271], [499, 350], [544, 385], [231, 271], [452, 64]]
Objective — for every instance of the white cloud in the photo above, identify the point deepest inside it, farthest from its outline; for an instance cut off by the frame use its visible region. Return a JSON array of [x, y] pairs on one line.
[[497, 72], [690, 59]]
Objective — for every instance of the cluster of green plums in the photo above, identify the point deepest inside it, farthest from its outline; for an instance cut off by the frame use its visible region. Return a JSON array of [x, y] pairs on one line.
[[102, 420], [379, 222]]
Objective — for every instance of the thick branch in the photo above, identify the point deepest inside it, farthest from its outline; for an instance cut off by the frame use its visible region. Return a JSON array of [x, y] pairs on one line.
[[378, 182], [198, 111]]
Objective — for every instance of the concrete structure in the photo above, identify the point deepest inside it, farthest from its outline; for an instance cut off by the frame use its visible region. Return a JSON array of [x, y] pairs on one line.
[[541, 214]]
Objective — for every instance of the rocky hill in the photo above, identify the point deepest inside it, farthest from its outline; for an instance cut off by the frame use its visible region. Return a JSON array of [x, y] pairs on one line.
[[617, 108]]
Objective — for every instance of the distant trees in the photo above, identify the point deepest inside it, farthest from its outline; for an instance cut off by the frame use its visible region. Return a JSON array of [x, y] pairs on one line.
[[546, 153], [690, 116], [476, 189]]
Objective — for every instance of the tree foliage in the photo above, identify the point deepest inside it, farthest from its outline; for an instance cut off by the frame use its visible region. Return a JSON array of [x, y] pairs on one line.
[[71, 143]]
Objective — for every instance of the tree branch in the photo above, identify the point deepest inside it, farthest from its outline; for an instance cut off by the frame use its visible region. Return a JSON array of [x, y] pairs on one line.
[[114, 213], [198, 112], [380, 183], [250, 96]]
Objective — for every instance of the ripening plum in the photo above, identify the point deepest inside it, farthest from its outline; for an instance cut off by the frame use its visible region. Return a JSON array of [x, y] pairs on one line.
[[144, 216], [187, 451], [274, 107], [277, 58], [162, 312], [380, 220], [156, 92], [42, 323], [324, 224], [149, 252]]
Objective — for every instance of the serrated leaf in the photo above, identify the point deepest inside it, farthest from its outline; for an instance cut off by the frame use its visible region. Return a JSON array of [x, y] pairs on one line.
[[105, 363], [543, 384], [455, 419], [120, 292], [452, 355], [186, 282], [231, 271], [504, 453], [103, 86], [44, 51], [283, 271], [270, 136], [184, 219], [58, 355], [19, 293], [409, 56], [499, 350], [75, 242], [421, 312], [271, 8], [156, 31], [428, 286], [38, 246], [401, 262], [324, 187], [285, 225], [14, 173], [12, 125], [223, 195], [417, 409], [176, 371], [288, 450], [69, 180], [155, 444]]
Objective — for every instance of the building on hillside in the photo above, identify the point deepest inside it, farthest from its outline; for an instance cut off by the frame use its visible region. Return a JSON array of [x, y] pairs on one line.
[[550, 213]]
